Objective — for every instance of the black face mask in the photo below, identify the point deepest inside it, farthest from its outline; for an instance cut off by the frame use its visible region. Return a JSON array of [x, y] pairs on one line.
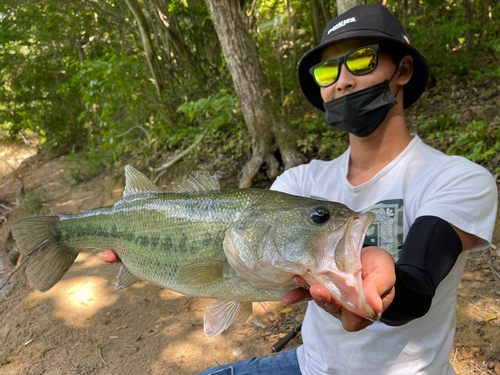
[[361, 112]]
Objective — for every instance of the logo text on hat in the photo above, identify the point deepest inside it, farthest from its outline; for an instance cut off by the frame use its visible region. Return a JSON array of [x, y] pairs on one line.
[[342, 24]]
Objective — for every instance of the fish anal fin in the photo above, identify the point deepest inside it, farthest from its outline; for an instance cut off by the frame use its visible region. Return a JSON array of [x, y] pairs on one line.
[[201, 272], [125, 278], [219, 316], [136, 182], [244, 313]]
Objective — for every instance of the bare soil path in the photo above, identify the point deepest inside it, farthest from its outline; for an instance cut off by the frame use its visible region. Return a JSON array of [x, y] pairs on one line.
[[82, 327]]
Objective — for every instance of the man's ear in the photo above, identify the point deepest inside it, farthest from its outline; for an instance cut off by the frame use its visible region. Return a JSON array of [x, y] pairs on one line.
[[405, 70]]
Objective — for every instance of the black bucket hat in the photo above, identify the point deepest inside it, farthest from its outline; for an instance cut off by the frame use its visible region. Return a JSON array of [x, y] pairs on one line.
[[372, 21]]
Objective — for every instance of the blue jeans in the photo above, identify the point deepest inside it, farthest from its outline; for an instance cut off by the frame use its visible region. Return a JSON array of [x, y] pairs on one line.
[[285, 363]]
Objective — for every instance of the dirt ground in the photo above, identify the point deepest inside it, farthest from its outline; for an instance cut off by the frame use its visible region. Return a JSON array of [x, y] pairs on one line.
[[82, 327]]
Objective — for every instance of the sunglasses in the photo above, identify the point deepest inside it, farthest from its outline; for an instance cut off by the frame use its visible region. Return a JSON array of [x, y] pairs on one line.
[[359, 62]]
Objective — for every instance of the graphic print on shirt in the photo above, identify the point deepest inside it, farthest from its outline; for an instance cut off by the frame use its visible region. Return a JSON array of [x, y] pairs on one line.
[[387, 229]]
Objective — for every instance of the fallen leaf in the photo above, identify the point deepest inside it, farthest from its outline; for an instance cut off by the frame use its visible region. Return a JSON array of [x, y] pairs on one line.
[[259, 323], [490, 316]]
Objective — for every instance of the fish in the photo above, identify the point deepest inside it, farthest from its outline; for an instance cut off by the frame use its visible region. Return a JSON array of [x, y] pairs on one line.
[[237, 246]]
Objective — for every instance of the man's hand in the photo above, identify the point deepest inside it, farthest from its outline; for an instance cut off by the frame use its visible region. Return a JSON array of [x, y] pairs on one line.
[[110, 256], [378, 283]]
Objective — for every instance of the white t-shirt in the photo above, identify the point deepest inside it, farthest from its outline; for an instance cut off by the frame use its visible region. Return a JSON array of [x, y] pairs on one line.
[[420, 181]]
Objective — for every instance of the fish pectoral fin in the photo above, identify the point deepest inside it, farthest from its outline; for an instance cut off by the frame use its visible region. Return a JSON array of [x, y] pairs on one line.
[[125, 279], [201, 272], [219, 316]]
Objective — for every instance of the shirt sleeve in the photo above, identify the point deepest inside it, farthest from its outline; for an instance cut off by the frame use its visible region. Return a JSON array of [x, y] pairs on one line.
[[465, 195], [294, 181], [301, 179], [287, 183]]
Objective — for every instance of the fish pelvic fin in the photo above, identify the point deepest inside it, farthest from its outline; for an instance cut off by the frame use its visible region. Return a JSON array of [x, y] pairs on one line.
[[198, 182], [125, 279], [49, 261], [136, 182], [201, 272], [219, 315]]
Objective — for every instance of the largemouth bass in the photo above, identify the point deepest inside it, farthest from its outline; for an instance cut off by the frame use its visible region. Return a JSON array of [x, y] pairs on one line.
[[235, 245]]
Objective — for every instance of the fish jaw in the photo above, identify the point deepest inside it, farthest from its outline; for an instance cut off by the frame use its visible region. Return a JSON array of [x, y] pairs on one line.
[[338, 269]]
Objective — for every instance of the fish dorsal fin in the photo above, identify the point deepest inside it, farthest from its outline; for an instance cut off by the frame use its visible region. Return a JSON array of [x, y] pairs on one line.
[[136, 182], [198, 182], [125, 278], [219, 315]]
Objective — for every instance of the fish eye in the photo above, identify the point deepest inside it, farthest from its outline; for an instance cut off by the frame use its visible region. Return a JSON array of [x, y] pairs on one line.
[[320, 215]]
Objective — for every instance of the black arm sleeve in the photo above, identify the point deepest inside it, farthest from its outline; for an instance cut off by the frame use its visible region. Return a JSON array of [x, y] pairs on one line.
[[429, 253]]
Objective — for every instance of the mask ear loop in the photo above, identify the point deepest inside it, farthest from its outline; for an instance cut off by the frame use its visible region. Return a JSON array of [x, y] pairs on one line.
[[393, 74]]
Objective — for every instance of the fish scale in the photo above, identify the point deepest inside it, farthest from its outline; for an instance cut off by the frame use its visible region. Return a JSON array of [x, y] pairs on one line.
[[236, 245]]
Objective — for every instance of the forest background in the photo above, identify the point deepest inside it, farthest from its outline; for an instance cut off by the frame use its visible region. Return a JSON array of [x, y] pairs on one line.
[[117, 81], [171, 87]]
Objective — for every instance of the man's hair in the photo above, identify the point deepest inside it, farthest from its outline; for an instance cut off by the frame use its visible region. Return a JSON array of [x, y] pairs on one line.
[[393, 49]]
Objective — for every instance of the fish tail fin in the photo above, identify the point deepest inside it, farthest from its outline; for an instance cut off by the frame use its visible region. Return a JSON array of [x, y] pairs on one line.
[[36, 237]]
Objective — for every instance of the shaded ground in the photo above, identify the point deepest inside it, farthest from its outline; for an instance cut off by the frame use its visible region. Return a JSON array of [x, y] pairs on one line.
[[82, 327]]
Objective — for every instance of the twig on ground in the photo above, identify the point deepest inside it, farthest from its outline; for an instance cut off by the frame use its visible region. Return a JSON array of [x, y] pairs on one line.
[[100, 356], [180, 155], [266, 308], [12, 273]]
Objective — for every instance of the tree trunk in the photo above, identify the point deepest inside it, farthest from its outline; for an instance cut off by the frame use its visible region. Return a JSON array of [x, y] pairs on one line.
[[148, 46], [414, 7], [468, 32], [326, 11], [484, 11], [403, 9], [292, 32], [81, 52], [316, 18], [344, 5], [262, 114]]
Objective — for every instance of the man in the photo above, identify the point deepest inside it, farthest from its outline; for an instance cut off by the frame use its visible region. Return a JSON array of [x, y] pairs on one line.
[[430, 208]]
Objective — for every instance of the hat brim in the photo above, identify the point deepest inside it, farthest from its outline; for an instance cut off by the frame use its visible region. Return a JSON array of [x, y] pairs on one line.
[[412, 90]]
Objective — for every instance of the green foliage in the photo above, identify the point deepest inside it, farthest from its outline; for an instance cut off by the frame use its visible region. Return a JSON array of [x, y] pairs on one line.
[[86, 165], [74, 76], [320, 141], [478, 140], [215, 110], [33, 199], [219, 118], [439, 28]]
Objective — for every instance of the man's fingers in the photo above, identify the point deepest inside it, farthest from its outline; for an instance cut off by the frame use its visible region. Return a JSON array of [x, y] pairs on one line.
[[352, 322], [110, 256], [300, 282], [296, 295], [379, 291], [324, 300], [378, 278]]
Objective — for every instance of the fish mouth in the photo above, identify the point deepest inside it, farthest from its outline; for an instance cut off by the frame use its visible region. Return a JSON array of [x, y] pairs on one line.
[[342, 275]]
